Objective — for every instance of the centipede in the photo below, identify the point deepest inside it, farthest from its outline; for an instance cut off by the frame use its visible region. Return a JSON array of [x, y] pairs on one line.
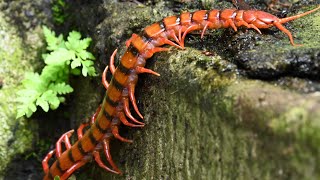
[[120, 91]]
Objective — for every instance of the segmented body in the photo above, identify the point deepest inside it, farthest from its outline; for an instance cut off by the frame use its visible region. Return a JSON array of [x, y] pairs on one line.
[[115, 106]]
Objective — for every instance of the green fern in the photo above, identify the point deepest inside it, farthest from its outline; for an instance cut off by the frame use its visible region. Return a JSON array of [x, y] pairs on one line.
[[71, 52], [47, 89]]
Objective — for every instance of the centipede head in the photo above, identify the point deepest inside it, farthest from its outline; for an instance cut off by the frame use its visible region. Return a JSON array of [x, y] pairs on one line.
[[260, 19]]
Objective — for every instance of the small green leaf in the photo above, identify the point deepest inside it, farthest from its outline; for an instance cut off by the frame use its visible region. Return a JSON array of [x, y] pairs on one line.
[[92, 71], [59, 57], [75, 63], [73, 42], [61, 88], [43, 104], [84, 71], [74, 35], [20, 113], [53, 73], [84, 43], [52, 41], [87, 63], [54, 104], [29, 113], [51, 98], [32, 107]]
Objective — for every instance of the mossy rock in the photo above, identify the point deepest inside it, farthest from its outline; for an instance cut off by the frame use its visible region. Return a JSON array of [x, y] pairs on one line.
[[204, 118], [21, 45]]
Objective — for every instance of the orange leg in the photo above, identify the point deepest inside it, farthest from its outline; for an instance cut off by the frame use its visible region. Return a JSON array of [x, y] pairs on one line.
[[140, 70], [82, 126], [173, 35], [106, 148], [128, 42], [45, 161], [171, 43], [204, 29], [64, 138], [80, 129], [125, 102], [111, 64], [124, 120], [278, 23], [97, 158], [149, 52], [133, 99], [189, 29], [243, 23], [283, 29], [112, 69], [115, 132], [104, 77]]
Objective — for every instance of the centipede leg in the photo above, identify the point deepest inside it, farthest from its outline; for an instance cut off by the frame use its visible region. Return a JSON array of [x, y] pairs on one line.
[[243, 23], [173, 35], [72, 169], [45, 161], [140, 70], [283, 29], [115, 132], [171, 43], [231, 23], [82, 126], [133, 99], [124, 120], [189, 29], [128, 42], [104, 77], [63, 139], [127, 111], [111, 64], [106, 148], [204, 30], [97, 158], [80, 129], [148, 53]]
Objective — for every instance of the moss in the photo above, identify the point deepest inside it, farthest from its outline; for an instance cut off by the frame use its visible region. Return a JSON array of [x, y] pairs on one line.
[[16, 135], [308, 26], [286, 122]]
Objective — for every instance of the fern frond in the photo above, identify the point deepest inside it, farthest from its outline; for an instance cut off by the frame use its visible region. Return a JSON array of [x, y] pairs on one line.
[[61, 88], [51, 39]]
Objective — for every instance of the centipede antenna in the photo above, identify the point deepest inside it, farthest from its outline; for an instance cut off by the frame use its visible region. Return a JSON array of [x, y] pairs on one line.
[[287, 19]]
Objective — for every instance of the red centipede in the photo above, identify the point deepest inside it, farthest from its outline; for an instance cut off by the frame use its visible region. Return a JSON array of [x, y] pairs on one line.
[[114, 109]]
